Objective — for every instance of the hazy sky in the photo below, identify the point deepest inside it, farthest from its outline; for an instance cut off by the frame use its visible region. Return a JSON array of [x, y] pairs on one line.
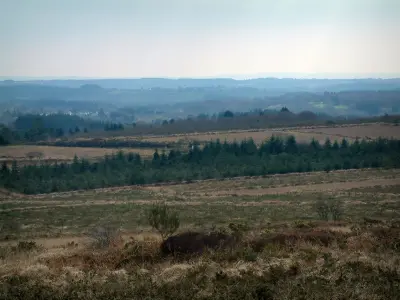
[[196, 38]]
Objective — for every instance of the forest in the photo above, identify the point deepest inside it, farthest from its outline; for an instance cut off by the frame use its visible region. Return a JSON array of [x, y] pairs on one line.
[[30, 128], [215, 160]]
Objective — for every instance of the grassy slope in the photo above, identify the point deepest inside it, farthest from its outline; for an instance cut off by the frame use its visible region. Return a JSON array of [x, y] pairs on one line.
[[361, 262]]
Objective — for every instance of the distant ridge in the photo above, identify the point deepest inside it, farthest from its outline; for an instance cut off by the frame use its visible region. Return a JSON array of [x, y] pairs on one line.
[[265, 75]]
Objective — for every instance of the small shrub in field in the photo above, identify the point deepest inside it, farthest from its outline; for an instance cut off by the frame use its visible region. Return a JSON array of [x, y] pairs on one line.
[[329, 208], [26, 246], [238, 229], [336, 209], [104, 236], [304, 224], [372, 221], [21, 247], [71, 244], [322, 208], [249, 255], [165, 221]]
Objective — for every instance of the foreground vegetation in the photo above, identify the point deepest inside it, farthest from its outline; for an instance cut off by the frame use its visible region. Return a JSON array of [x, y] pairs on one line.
[[304, 269], [214, 160], [99, 244]]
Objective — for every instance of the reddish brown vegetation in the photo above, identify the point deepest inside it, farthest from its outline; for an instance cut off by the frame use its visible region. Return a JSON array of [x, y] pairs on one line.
[[196, 243]]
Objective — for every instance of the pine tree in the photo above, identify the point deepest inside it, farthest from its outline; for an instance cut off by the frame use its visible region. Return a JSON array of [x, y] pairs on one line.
[[328, 144], [156, 157], [344, 144], [291, 144], [335, 145]]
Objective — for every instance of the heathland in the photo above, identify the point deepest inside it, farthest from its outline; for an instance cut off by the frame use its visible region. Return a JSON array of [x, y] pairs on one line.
[[96, 203], [309, 212]]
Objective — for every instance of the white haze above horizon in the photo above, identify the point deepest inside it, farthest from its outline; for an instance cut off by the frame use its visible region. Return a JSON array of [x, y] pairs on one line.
[[199, 39]]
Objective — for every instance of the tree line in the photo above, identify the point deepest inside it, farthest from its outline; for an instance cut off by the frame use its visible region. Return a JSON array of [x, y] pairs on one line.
[[214, 160], [33, 128]]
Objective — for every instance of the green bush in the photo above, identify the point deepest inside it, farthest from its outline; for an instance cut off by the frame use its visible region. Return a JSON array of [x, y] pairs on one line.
[[336, 209], [322, 208], [329, 209], [165, 221]]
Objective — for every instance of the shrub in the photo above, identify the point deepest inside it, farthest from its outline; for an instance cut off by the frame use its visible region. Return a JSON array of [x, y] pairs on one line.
[[161, 218], [238, 229], [26, 246], [196, 242], [322, 208], [104, 236], [336, 209], [331, 208], [304, 224], [21, 247]]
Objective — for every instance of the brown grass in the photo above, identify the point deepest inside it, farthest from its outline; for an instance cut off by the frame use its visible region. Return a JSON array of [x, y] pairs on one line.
[[302, 134], [60, 153], [283, 251], [371, 131], [257, 136], [321, 187]]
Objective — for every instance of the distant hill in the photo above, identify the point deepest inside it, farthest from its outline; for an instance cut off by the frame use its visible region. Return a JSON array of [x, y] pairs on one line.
[[125, 100], [271, 84]]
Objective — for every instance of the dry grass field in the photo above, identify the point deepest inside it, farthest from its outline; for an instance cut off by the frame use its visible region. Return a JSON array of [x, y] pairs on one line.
[[371, 131], [35, 153], [302, 134], [286, 251]]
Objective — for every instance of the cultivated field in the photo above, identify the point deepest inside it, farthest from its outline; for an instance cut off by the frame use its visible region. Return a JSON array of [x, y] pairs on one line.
[[302, 134], [286, 250], [371, 131], [51, 153]]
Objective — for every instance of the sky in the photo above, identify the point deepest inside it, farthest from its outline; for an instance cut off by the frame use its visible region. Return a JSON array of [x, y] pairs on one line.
[[193, 38]]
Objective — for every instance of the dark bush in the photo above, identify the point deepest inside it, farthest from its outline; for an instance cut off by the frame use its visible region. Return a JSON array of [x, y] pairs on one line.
[[195, 243]]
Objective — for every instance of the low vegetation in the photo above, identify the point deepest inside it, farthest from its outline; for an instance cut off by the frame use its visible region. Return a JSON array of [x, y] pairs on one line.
[[219, 240], [163, 220], [331, 229]]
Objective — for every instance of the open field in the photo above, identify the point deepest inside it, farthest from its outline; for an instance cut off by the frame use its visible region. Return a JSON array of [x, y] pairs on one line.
[[302, 134], [322, 257], [48, 153], [371, 131], [203, 202]]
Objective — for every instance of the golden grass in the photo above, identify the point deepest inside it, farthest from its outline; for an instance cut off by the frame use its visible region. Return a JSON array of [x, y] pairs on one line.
[[26, 152], [371, 131], [302, 134]]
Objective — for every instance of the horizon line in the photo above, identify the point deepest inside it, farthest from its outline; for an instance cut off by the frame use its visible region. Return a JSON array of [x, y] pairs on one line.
[[261, 75]]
